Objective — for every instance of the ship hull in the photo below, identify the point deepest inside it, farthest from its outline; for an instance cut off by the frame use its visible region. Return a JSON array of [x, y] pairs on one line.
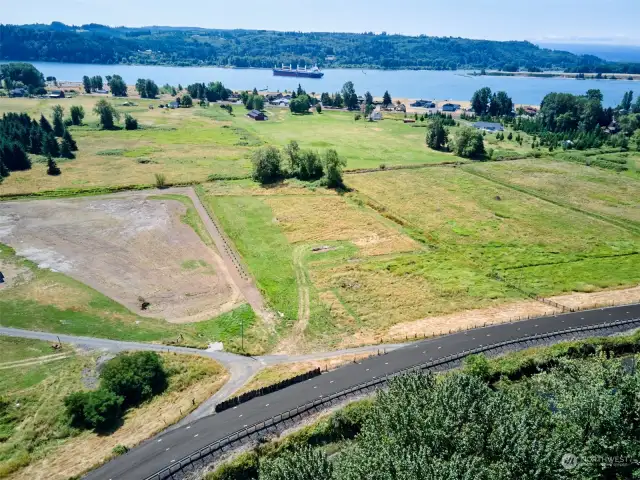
[[294, 73]]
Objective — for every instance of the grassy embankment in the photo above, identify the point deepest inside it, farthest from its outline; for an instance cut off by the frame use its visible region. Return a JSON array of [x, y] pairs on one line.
[[37, 440]]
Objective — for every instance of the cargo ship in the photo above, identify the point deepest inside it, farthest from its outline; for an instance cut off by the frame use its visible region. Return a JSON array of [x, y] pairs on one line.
[[298, 72]]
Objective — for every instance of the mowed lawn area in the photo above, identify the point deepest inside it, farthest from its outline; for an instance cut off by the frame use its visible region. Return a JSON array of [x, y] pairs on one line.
[[410, 244]]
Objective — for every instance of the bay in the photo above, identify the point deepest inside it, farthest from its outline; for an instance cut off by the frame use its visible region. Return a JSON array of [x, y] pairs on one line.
[[414, 84]]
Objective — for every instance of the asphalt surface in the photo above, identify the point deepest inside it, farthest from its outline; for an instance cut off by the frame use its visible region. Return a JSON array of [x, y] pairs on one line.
[[159, 452]]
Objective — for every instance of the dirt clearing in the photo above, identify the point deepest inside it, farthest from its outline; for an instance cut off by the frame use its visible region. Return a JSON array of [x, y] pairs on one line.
[[127, 247]]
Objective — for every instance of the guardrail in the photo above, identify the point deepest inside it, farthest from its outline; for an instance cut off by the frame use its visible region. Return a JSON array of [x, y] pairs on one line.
[[269, 425]]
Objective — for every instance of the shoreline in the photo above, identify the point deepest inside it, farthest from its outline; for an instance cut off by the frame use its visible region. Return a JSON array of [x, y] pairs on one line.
[[471, 71]]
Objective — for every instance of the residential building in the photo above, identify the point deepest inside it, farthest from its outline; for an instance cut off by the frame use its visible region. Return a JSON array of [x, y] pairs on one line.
[[450, 107], [489, 126], [257, 115]]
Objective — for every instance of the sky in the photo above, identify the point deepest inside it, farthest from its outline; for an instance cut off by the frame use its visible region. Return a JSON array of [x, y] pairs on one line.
[[580, 21]]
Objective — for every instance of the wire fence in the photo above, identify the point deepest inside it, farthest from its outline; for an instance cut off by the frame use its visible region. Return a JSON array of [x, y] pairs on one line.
[[206, 455]]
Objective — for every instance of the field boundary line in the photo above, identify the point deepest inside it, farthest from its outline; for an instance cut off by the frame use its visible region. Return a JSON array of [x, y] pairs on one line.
[[612, 221], [272, 425]]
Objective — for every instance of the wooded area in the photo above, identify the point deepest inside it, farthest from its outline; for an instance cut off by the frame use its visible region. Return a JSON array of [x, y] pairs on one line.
[[261, 48]]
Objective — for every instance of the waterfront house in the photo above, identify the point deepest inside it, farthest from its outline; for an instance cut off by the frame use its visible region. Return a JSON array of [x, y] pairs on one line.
[[450, 107], [423, 104], [257, 115], [56, 94], [489, 126]]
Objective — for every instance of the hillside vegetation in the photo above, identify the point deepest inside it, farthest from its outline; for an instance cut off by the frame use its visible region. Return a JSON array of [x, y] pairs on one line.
[[261, 48]]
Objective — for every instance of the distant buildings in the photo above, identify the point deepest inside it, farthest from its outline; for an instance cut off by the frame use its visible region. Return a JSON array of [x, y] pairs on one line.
[[56, 94], [450, 107], [17, 92], [423, 104], [257, 115], [489, 126]]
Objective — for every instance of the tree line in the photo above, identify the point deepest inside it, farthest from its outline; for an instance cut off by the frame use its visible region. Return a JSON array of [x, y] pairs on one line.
[[270, 165], [260, 48], [21, 135], [578, 420]]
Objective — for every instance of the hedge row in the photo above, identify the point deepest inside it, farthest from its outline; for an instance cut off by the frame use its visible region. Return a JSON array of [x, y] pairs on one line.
[[259, 392]]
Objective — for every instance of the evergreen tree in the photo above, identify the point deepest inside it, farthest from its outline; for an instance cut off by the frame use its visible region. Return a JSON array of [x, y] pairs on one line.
[[45, 125], [480, 101], [65, 150], [436, 135], [368, 98], [386, 99], [58, 121], [35, 141], [69, 139], [86, 81], [13, 156], [52, 167], [4, 171], [50, 145]]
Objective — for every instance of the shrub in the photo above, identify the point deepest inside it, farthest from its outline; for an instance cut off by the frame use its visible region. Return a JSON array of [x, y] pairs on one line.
[[437, 136], [130, 123], [318, 108], [187, 101], [303, 463], [135, 376], [478, 365], [77, 114], [357, 117], [161, 180], [267, 165], [120, 450], [99, 410], [52, 167]]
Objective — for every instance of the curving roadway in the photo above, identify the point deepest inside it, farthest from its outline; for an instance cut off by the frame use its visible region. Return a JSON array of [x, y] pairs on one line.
[[170, 446]]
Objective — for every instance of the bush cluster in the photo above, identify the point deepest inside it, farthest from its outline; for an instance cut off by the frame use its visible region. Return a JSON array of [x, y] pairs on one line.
[[126, 381], [269, 167]]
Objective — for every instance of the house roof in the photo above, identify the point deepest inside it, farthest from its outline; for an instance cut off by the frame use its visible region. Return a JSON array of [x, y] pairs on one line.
[[488, 125], [255, 113]]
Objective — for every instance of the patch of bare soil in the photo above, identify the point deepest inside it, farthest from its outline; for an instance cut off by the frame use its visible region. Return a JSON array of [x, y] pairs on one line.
[[13, 274], [129, 248], [604, 298]]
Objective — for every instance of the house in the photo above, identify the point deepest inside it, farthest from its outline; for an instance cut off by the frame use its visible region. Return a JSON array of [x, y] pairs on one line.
[[423, 104], [531, 111], [257, 115], [489, 126], [376, 115], [280, 102], [450, 107], [614, 127], [17, 92], [56, 94], [102, 91], [173, 104], [409, 120]]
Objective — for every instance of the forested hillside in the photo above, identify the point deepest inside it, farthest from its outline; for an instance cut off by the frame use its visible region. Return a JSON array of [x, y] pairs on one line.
[[260, 48]]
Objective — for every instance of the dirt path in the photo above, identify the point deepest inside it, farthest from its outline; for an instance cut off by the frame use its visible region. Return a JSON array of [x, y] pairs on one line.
[[35, 361], [231, 258]]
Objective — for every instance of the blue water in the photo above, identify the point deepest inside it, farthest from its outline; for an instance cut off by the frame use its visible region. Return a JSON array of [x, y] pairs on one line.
[[431, 85]]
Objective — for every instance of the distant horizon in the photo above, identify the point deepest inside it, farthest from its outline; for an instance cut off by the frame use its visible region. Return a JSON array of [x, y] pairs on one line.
[[536, 21], [577, 41]]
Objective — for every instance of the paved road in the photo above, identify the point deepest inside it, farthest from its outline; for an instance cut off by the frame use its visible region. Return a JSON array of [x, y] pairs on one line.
[[161, 451]]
